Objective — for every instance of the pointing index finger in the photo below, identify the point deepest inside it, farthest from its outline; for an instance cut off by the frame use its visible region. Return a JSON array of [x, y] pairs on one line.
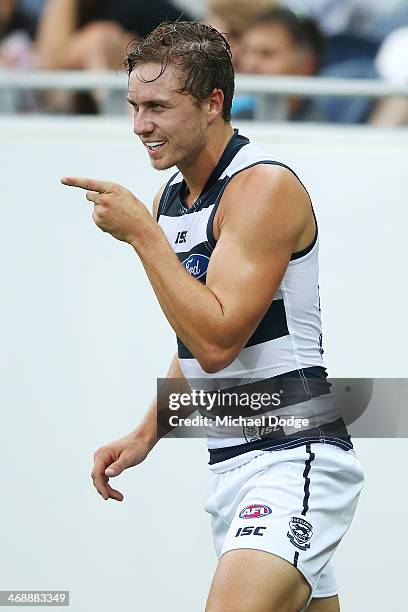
[[86, 183]]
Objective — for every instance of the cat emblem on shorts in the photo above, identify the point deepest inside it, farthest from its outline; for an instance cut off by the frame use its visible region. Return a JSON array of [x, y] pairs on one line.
[[253, 433], [300, 532]]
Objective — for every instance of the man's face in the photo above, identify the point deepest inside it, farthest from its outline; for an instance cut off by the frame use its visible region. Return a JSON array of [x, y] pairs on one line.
[[269, 49], [170, 124]]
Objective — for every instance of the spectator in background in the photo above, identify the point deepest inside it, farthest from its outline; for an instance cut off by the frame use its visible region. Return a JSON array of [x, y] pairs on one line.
[[18, 26], [20, 15], [232, 16], [89, 34], [93, 35], [279, 43], [392, 59], [74, 34], [354, 28], [392, 65]]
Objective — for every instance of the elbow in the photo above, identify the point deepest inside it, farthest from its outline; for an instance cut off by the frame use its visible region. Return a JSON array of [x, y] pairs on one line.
[[217, 359]]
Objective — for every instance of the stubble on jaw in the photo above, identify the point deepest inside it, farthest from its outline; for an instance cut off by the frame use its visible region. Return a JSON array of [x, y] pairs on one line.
[[186, 161], [190, 159]]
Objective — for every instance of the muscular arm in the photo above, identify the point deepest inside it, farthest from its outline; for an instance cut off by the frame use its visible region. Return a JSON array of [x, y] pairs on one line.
[[264, 214]]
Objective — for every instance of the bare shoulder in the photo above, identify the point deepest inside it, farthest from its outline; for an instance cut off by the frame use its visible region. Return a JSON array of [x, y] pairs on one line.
[[268, 181], [265, 192], [157, 199]]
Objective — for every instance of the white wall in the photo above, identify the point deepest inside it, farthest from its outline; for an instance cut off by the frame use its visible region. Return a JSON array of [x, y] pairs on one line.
[[83, 341]]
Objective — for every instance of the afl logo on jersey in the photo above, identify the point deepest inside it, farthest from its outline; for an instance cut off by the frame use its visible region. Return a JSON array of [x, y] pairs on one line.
[[196, 265], [300, 532], [255, 511]]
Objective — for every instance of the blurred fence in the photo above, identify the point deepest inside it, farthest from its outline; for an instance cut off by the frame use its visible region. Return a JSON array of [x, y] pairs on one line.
[[271, 91]]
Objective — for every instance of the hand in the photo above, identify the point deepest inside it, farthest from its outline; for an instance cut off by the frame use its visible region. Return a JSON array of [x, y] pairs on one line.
[[113, 459], [116, 209]]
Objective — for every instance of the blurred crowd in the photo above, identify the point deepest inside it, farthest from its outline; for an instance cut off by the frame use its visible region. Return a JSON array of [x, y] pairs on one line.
[[362, 39]]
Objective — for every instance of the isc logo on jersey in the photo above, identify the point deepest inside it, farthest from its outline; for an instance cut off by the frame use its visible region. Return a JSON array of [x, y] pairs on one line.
[[255, 511], [196, 264]]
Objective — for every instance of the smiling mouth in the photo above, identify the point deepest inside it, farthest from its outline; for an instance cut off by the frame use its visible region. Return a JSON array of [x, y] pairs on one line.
[[155, 146]]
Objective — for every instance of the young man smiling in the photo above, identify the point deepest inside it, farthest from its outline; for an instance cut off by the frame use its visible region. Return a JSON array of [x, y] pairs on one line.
[[231, 251]]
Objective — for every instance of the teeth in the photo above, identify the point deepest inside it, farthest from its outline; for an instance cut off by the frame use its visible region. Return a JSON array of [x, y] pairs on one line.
[[153, 145]]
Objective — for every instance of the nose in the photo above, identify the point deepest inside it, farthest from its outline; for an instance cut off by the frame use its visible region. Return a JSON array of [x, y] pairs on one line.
[[142, 123]]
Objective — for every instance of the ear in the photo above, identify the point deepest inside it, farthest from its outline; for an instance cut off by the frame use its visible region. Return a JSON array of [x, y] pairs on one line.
[[215, 103]]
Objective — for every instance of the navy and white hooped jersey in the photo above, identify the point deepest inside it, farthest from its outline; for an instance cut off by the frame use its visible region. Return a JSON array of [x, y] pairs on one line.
[[288, 338]]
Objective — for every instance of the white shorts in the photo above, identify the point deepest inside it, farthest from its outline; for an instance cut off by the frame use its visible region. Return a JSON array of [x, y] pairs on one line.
[[295, 503]]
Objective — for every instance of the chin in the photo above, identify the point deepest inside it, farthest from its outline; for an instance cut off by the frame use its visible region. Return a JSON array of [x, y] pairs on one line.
[[162, 164]]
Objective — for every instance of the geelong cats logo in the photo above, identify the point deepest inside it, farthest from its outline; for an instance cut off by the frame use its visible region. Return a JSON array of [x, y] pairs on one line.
[[196, 265], [300, 532]]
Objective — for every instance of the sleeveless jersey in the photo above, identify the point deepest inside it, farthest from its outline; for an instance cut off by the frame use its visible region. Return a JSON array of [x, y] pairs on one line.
[[286, 346]]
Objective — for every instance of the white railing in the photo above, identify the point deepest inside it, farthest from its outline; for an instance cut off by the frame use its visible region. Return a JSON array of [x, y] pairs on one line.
[[267, 88]]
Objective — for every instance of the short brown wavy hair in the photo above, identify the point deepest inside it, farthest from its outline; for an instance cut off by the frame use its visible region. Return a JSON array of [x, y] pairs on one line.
[[198, 51]]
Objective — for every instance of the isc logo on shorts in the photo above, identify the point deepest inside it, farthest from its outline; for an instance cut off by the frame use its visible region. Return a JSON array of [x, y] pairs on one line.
[[255, 511], [243, 531]]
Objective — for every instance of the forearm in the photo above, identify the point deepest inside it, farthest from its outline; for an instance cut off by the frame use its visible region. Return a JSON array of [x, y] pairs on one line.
[[150, 429], [57, 25], [212, 336], [179, 295]]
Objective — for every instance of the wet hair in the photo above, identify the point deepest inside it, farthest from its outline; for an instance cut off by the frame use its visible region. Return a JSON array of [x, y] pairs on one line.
[[199, 53], [303, 30]]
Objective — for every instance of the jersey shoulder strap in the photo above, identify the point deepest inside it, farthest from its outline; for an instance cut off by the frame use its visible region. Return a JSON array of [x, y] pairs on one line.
[[165, 197]]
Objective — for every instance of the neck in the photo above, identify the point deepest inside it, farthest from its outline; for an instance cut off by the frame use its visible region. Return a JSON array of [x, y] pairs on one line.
[[197, 174]]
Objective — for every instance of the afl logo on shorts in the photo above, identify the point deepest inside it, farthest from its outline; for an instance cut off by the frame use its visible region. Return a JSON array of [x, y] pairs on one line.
[[255, 511], [300, 532], [196, 265]]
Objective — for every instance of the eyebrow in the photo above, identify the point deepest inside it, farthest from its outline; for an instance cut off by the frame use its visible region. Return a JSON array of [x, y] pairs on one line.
[[157, 101]]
